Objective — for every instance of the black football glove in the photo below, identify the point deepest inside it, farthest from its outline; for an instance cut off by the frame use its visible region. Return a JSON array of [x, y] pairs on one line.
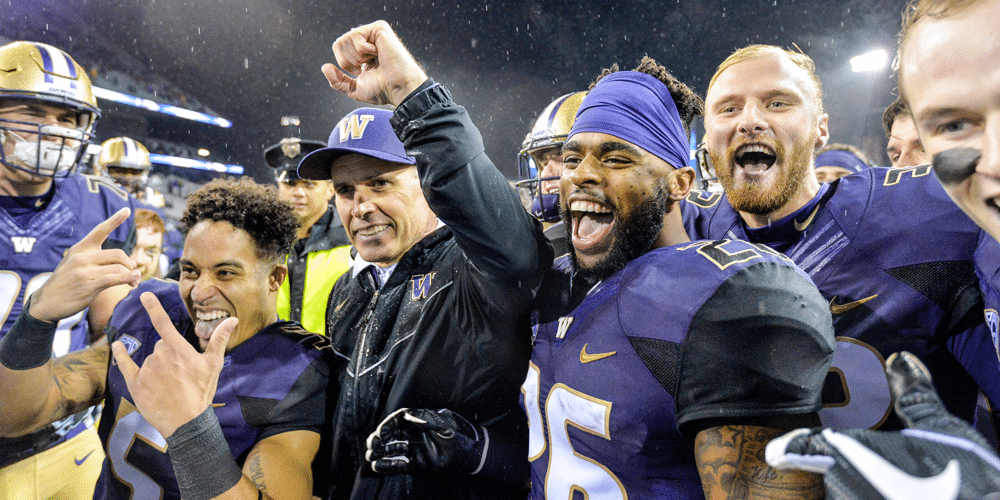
[[938, 456], [415, 441]]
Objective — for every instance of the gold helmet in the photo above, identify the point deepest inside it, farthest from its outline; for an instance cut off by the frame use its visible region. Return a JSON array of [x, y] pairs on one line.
[[125, 161], [550, 131], [33, 72]]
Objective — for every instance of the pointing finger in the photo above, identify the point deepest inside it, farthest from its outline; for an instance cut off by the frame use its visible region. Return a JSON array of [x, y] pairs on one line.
[[100, 232]]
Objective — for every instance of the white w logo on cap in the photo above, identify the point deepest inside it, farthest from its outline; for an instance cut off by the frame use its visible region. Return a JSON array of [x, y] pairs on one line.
[[354, 125]]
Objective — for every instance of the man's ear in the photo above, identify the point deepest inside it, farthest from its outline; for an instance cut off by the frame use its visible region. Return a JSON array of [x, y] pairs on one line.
[[680, 183], [278, 274], [822, 130]]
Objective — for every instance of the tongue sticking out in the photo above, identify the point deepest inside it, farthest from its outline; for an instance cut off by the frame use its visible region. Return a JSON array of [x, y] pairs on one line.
[[203, 329], [591, 224]]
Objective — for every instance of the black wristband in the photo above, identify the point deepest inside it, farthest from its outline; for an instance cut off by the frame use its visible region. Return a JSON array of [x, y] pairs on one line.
[[201, 458], [28, 343]]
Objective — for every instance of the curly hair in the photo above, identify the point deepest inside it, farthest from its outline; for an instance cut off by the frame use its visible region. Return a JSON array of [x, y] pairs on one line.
[[252, 207], [689, 104]]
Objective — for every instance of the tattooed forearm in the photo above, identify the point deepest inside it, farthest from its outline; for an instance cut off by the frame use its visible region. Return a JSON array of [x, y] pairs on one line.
[[730, 460], [254, 470], [80, 377]]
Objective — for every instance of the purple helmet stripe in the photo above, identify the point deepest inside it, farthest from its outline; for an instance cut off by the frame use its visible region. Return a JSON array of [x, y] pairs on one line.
[[555, 111], [46, 62], [72, 71]]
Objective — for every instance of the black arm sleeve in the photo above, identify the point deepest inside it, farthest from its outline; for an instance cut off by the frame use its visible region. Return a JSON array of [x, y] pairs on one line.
[[467, 192], [759, 348]]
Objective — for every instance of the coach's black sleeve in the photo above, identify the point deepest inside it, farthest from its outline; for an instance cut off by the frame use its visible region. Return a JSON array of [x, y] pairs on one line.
[[466, 190]]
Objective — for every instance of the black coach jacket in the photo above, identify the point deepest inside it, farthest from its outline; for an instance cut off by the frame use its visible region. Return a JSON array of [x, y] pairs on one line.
[[449, 329]]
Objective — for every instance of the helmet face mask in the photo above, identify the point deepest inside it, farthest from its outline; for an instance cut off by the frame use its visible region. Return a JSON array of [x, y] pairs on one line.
[[550, 131], [38, 81], [41, 150]]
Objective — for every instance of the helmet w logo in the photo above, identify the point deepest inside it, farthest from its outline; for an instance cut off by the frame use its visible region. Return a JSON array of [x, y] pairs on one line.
[[354, 126]]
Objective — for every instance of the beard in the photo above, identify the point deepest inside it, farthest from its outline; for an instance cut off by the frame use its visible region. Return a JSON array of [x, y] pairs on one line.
[[758, 198], [633, 236]]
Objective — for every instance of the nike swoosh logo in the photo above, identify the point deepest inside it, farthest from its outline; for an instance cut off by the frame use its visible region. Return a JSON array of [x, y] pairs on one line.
[[836, 308], [587, 358], [801, 226], [891, 481], [80, 461], [218, 405]]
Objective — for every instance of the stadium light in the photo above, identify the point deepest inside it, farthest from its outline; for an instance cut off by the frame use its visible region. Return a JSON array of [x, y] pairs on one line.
[[166, 109], [871, 61], [175, 161]]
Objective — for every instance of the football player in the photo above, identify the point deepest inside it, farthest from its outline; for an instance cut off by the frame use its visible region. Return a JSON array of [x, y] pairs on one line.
[[149, 229], [948, 81], [47, 115], [904, 148], [540, 164], [890, 253], [676, 361], [834, 161], [249, 424], [126, 162]]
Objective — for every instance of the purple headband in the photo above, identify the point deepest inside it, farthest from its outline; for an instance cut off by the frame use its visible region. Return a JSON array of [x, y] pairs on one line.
[[842, 159], [637, 108]]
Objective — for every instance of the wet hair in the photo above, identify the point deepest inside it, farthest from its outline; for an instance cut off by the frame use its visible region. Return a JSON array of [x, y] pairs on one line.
[[148, 218], [919, 10], [689, 104], [896, 109], [759, 51], [252, 207]]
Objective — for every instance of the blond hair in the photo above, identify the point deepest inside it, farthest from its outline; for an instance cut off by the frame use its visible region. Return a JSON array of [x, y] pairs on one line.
[[759, 51]]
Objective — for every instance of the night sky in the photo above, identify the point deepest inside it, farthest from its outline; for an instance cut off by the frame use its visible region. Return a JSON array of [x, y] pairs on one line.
[[254, 61]]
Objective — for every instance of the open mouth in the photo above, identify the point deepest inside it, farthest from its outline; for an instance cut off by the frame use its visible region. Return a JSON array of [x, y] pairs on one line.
[[592, 223], [206, 321], [755, 158]]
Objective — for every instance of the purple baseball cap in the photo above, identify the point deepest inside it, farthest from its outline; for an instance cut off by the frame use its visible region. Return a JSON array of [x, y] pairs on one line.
[[365, 131]]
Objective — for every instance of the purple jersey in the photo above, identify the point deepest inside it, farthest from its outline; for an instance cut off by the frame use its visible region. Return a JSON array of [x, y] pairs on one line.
[[988, 270], [892, 255], [35, 233], [619, 385], [273, 382]]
